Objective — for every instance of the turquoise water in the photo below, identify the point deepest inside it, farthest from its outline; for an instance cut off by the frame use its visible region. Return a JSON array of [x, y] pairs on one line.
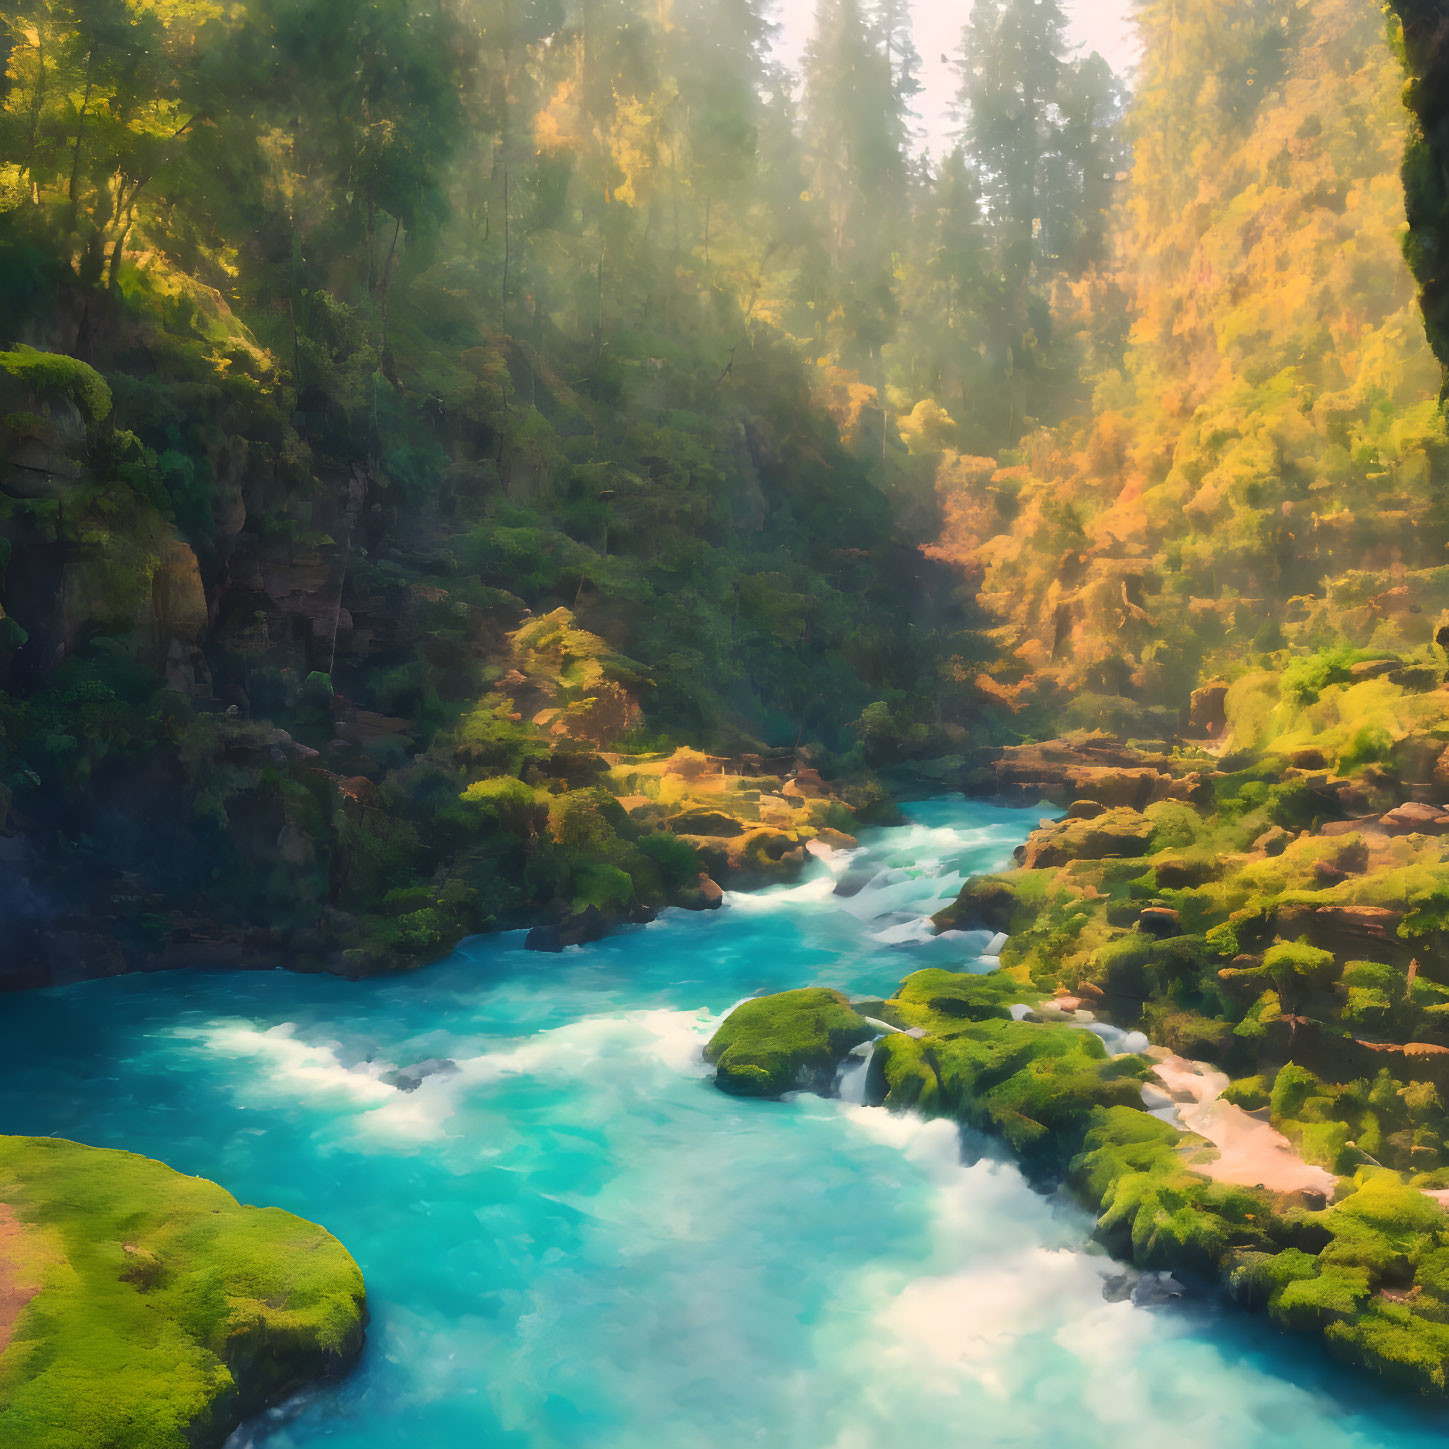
[[572, 1241]]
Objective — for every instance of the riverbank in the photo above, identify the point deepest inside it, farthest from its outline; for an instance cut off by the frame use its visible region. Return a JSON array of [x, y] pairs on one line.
[[1365, 1273], [142, 1309], [615, 1247], [609, 839], [1276, 925]]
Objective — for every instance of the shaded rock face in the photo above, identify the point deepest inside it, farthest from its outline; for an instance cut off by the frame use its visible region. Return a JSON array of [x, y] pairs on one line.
[[1273, 842], [791, 1042], [409, 1079], [1332, 925], [142, 581], [1160, 921], [1098, 769], [1206, 713], [575, 929], [756, 856], [1185, 872], [854, 880], [707, 823], [711, 896]]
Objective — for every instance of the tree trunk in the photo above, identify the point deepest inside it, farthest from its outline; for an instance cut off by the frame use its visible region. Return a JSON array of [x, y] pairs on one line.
[[125, 216], [80, 132], [35, 111], [507, 246], [387, 280]]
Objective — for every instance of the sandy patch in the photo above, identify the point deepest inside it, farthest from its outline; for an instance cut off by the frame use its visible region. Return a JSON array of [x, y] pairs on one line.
[[15, 1288], [1251, 1152]]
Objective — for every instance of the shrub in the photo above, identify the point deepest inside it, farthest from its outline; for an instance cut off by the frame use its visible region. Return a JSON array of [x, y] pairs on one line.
[[676, 860]]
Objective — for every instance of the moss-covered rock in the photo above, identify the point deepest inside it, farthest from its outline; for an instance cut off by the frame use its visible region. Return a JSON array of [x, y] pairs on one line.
[[966, 1057], [784, 1043], [158, 1311], [986, 903], [1368, 1275], [1115, 833], [53, 372]]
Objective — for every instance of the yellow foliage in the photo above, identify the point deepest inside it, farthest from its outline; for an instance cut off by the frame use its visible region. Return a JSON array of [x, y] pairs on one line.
[[1275, 419], [928, 427]]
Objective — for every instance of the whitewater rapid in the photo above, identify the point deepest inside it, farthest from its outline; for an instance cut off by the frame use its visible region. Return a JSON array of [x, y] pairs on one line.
[[573, 1241]]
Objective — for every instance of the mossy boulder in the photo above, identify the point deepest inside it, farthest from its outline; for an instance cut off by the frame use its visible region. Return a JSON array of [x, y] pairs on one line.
[[986, 903], [54, 373], [761, 856], [939, 1000], [157, 1311], [1375, 1289], [965, 1057], [1115, 834], [707, 823], [793, 1041]]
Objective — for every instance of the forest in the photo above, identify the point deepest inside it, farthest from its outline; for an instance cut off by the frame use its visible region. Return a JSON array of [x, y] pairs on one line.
[[433, 400], [549, 466]]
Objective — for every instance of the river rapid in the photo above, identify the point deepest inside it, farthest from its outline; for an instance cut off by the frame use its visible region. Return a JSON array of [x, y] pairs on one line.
[[573, 1241]]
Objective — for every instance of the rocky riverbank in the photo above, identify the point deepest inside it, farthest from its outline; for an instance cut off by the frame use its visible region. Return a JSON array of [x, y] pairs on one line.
[[1266, 898], [1365, 1273], [610, 839]]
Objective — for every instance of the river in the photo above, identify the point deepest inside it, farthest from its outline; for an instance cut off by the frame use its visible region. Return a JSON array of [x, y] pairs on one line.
[[573, 1241]]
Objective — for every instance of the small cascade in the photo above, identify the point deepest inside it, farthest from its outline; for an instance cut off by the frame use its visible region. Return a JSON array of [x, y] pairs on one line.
[[850, 1082], [526, 1158]]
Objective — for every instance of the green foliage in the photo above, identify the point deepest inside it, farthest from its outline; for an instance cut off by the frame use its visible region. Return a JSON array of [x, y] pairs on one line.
[[676, 860], [604, 886], [518, 808]]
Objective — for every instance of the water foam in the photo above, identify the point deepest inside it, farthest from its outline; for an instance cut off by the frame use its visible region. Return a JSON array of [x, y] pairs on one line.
[[287, 1064], [572, 1239]]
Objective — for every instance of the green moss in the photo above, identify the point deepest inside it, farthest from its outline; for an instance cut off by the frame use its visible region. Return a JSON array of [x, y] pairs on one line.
[[778, 1044], [1328, 1295], [986, 903], [1122, 965], [1250, 1093], [1035, 1085], [78, 380], [906, 1070], [939, 999], [1174, 826], [166, 1309], [1395, 1343], [1296, 966]]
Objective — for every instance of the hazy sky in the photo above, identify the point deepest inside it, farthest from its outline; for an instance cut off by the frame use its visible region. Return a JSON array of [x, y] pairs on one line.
[[1097, 24]]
